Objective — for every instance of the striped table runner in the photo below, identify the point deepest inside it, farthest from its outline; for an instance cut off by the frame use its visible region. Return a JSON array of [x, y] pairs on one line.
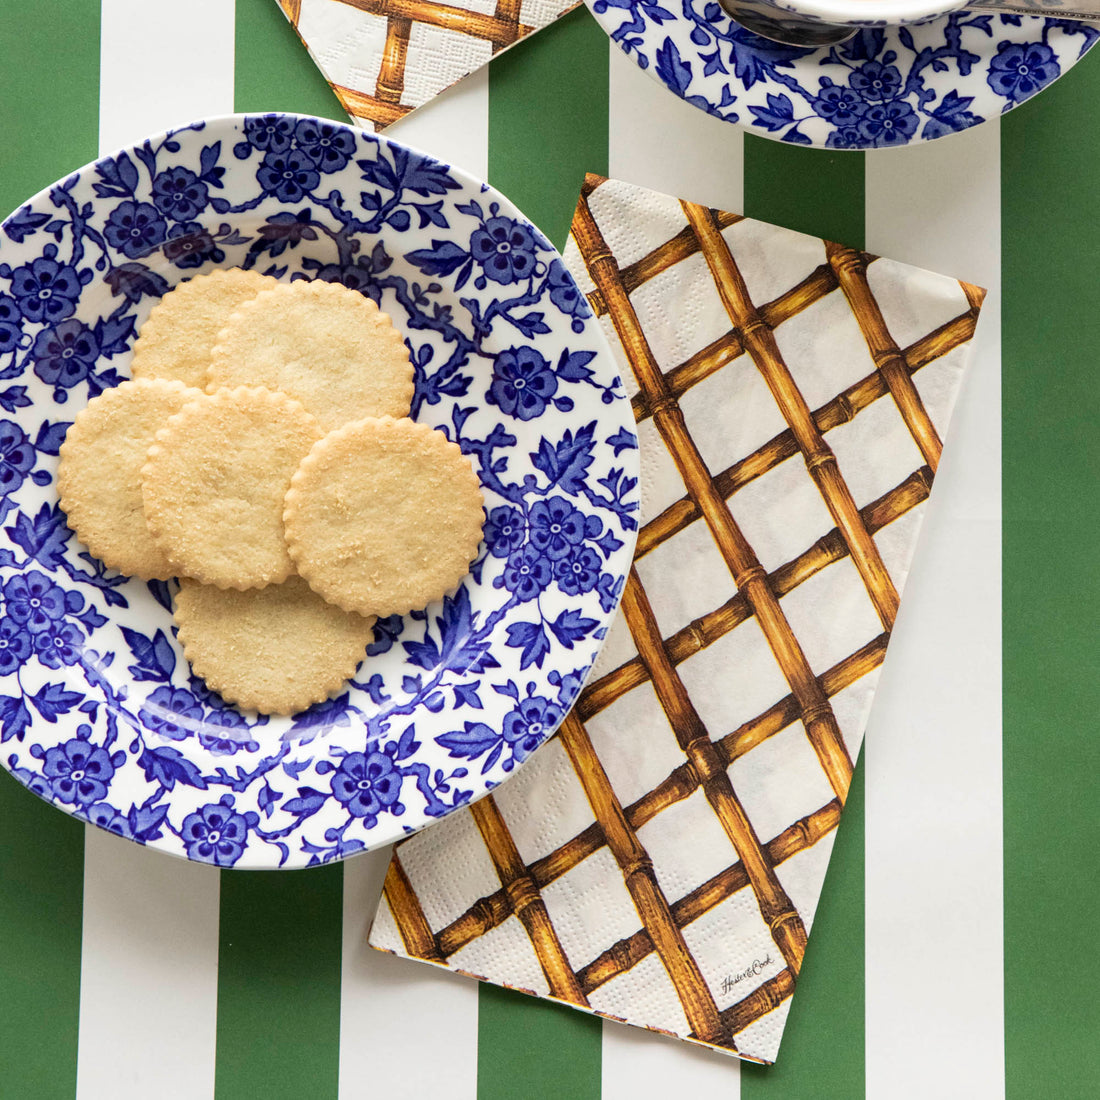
[[953, 953]]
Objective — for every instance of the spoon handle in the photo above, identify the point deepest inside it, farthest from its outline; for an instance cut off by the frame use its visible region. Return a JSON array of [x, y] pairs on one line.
[[1088, 10], [785, 27]]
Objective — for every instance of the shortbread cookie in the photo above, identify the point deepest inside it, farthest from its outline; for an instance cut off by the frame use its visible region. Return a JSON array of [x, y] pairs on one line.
[[214, 483], [277, 649], [177, 339], [99, 477], [326, 345], [383, 516]]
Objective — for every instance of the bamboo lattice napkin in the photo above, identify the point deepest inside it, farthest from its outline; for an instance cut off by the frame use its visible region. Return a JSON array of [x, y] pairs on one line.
[[384, 58], [659, 860]]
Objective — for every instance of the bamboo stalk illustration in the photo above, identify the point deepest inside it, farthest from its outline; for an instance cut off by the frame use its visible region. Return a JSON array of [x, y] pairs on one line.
[[851, 274], [760, 342], [775, 907], [507, 11], [726, 348], [391, 72], [748, 574], [293, 10], [627, 953], [663, 258], [500, 32], [762, 1000], [780, 715], [488, 912], [641, 883], [975, 295], [362, 105], [384, 105], [840, 410], [483, 916], [526, 902], [707, 629], [407, 914], [682, 782]]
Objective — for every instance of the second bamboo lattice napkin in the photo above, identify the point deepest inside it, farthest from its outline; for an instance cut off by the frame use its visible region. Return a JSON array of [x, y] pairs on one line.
[[385, 58], [660, 860]]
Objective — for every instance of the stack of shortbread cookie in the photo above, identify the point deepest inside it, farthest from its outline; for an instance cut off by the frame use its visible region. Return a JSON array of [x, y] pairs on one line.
[[263, 455]]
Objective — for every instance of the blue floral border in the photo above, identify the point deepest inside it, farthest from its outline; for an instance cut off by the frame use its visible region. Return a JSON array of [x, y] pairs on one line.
[[98, 711], [887, 86]]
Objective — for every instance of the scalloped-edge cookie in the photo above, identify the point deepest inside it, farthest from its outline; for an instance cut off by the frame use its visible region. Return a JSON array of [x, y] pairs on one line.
[[328, 346], [277, 649], [384, 516], [178, 337], [214, 482], [99, 476]]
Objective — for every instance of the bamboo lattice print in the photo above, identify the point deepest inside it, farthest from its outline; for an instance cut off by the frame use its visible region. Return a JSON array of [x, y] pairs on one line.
[[759, 341], [464, 38], [760, 878]]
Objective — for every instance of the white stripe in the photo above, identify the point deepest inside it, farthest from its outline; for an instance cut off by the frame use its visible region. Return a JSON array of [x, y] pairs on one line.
[[934, 944], [638, 1065], [148, 974], [406, 1029], [453, 127], [149, 960], [162, 64], [656, 140]]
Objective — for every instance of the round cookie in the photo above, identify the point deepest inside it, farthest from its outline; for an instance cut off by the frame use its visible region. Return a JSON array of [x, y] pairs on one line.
[[180, 333], [99, 477], [328, 346], [277, 649], [214, 482], [383, 516]]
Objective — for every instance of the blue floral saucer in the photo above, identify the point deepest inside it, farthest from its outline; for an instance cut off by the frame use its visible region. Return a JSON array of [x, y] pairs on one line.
[[887, 86], [98, 712]]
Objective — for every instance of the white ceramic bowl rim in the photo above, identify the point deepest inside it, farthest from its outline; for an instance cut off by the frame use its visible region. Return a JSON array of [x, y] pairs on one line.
[[870, 13]]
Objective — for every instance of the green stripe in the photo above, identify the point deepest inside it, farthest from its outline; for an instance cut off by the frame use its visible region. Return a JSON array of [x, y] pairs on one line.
[[535, 1049], [548, 120], [47, 128], [279, 984], [41, 898], [273, 71], [822, 1055], [49, 90], [805, 189], [1051, 467], [547, 128]]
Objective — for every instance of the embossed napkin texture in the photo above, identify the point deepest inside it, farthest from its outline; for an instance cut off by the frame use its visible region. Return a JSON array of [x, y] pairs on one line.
[[660, 859], [385, 58]]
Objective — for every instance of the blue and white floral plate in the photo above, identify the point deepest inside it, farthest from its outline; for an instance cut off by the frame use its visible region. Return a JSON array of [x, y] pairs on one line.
[[887, 86], [98, 712]]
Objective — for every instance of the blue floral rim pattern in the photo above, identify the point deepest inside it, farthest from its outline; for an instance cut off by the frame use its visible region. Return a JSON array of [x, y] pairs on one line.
[[886, 87], [98, 711]]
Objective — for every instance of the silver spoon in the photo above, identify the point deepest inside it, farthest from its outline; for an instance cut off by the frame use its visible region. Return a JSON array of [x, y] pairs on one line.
[[780, 26], [791, 30]]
